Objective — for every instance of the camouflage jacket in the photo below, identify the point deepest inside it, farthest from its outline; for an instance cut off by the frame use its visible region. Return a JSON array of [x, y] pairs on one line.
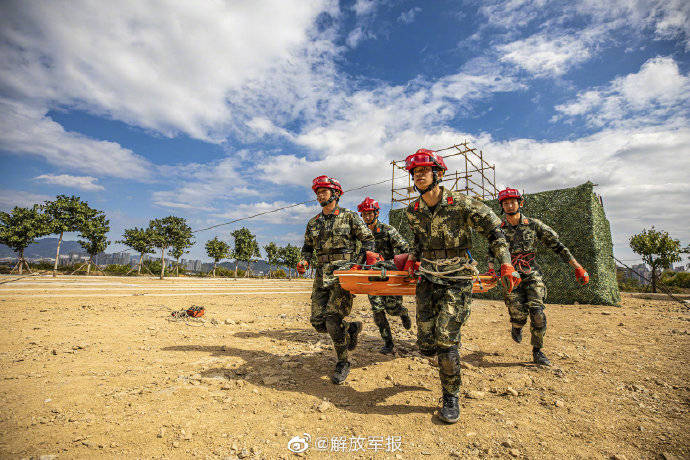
[[389, 241], [523, 237], [450, 226], [336, 233]]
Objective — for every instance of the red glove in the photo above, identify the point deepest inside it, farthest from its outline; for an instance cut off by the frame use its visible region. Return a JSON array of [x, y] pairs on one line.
[[509, 277], [400, 260], [373, 257], [302, 267], [410, 267], [582, 276], [491, 272]]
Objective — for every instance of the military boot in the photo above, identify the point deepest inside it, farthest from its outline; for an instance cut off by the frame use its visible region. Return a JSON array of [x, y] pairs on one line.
[[540, 358], [450, 411], [516, 334], [342, 369], [406, 321], [354, 329], [387, 348]]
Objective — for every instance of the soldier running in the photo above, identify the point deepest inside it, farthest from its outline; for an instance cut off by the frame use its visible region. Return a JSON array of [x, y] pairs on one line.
[[333, 234], [522, 233], [388, 243], [441, 221]]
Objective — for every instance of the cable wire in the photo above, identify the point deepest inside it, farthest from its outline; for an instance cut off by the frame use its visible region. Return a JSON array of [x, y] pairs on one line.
[[282, 208]]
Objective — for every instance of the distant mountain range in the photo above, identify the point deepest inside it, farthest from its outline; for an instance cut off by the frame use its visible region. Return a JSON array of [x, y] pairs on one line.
[[44, 247]]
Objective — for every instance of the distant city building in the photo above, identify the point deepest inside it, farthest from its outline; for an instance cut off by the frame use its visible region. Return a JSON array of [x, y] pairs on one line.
[[117, 258]]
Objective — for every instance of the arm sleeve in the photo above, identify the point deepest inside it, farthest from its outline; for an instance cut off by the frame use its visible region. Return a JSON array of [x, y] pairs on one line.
[[399, 244], [487, 224], [549, 238], [308, 246], [416, 249]]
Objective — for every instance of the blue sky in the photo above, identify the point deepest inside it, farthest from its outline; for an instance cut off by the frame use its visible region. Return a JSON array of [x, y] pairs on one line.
[[217, 110]]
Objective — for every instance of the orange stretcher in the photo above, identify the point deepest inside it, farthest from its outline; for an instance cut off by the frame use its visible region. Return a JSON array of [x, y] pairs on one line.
[[394, 282]]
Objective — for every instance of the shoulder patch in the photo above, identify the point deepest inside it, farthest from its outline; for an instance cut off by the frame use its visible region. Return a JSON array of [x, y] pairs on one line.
[[450, 200], [525, 221], [378, 229], [336, 212]]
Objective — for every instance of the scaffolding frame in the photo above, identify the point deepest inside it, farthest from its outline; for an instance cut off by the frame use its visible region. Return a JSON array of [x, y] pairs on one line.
[[477, 182]]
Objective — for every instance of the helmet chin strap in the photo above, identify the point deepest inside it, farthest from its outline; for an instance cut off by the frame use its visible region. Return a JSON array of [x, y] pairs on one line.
[[433, 184]]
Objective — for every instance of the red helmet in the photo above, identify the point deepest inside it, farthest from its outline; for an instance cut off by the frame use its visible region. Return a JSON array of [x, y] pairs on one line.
[[424, 157], [327, 182], [368, 204], [508, 193]]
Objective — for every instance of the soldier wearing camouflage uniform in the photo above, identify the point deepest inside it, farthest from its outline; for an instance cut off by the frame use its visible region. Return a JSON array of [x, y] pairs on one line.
[[527, 300], [333, 233], [441, 221], [388, 243]]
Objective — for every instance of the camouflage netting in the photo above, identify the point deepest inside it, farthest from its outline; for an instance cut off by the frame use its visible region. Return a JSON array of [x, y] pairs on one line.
[[584, 230]]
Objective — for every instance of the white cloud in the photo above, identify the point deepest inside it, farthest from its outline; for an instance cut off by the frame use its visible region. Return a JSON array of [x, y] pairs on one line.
[[654, 93], [65, 180], [545, 56], [200, 185], [364, 7], [231, 61], [407, 17], [27, 130], [11, 198]]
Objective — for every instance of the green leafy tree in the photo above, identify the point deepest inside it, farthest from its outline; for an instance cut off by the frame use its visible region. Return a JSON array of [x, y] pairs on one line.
[[181, 240], [246, 247], [19, 229], [163, 234], [218, 250], [95, 234], [139, 239], [289, 257], [66, 214], [272, 253], [658, 250]]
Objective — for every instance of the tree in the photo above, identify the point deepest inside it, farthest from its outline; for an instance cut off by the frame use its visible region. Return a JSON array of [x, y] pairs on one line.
[[246, 247], [20, 228], [66, 214], [658, 250], [289, 257], [94, 231], [139, 239], [218, 250], [163, 234], [272, 253], [181, 240]]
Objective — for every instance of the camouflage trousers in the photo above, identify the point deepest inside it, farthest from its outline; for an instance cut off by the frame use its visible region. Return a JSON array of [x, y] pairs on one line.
[[382, 304], [329, 307], [441, 312], [528, 301]]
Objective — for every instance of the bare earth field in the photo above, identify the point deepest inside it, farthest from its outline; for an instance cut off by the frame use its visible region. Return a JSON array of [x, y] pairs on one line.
[[92, 367]]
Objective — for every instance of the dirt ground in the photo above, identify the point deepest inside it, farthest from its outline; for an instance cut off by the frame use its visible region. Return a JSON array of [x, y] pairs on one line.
[[92, 367]]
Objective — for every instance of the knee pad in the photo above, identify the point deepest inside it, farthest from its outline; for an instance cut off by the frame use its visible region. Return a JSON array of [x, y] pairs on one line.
[[334, 326], [380, 319], [428, 352], [320, 327], [538, 318], [449, 361]]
